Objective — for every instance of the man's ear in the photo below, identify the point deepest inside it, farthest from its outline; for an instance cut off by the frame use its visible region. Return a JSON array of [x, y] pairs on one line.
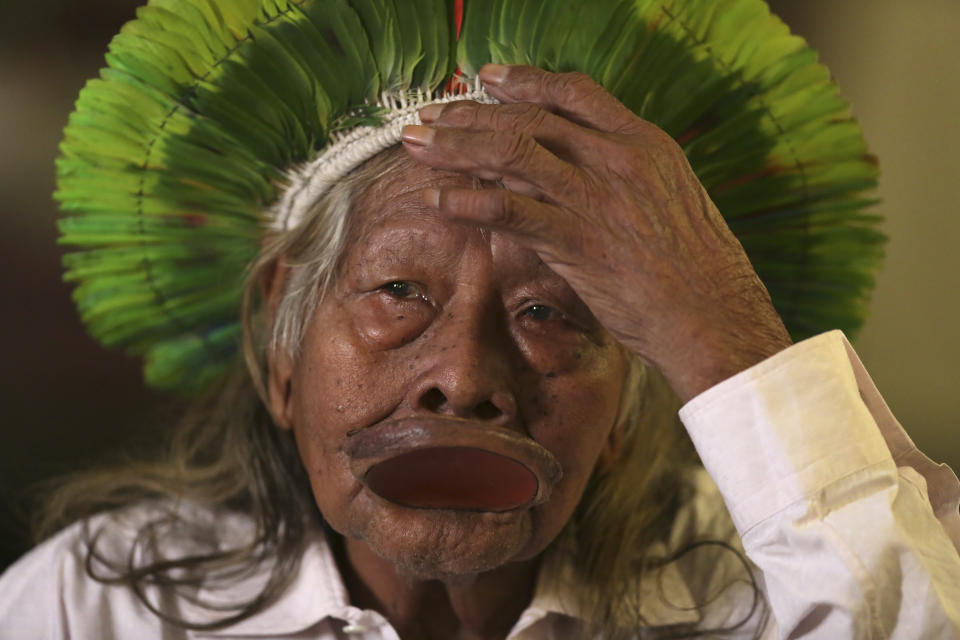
[[608, 455], [280, 387], [280, 364], [631, 401]]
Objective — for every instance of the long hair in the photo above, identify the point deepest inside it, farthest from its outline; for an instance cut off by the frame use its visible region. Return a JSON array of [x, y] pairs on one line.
[[228, 455]]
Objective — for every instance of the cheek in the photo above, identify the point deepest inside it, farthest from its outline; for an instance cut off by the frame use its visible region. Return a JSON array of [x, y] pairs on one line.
[[577, 412], [577, 407], [338, 385], [341, 379], [555, 349]]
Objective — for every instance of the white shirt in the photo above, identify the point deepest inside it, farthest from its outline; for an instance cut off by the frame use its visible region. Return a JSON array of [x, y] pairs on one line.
[[855, 532]]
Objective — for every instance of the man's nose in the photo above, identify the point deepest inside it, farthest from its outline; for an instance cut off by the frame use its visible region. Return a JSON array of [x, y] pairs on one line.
[[470, 369]]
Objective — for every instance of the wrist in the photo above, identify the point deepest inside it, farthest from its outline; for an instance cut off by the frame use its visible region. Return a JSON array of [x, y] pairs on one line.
[[706, 358]]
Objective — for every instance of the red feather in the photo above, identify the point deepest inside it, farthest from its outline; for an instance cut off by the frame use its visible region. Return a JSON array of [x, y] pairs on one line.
[[456, 84]]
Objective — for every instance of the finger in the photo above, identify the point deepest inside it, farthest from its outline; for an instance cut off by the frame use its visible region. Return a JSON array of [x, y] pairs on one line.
[[575, 96], [522, 187], [549, 230], [495, 155], [557, 134]]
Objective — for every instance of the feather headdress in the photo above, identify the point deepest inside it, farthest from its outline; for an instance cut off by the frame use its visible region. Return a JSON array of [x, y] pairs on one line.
[[211, 115]]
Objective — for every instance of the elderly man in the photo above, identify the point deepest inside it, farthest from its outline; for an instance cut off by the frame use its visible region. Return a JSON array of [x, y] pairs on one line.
[[469, 352]]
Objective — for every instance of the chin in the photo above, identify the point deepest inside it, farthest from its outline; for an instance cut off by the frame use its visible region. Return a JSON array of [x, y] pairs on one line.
[[439, 544]]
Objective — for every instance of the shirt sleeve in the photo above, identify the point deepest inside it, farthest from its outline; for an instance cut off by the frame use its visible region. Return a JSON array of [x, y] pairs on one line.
[[855, 531]]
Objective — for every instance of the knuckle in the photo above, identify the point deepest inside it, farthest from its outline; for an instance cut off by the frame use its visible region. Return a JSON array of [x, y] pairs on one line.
[[473, 204], [516, 148], [502, 118], [527, 116], [659, 137], [503, 209], [572, 188], [573, 86], [577, 79], [493, 207], [461, 113]]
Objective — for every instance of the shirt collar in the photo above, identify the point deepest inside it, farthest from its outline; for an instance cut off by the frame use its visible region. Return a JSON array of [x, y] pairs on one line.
[[317, 593], [660, 597]]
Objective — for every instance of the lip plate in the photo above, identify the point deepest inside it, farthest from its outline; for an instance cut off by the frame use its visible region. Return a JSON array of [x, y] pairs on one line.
[[384, 441]]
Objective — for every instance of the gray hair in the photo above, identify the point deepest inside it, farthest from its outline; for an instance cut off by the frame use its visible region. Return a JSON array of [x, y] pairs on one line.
[[228, 455], [312, 251]]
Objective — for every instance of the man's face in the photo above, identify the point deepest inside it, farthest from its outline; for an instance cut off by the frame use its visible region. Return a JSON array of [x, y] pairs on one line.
[[431, 318]]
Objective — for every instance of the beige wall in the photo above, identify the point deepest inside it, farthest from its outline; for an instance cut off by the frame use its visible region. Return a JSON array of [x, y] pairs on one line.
[[898, 62]]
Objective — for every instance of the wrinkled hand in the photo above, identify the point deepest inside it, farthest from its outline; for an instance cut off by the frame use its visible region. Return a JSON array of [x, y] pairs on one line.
[[611, 204]]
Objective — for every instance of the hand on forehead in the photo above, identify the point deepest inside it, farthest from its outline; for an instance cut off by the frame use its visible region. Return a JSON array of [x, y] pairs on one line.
[[610, 202]]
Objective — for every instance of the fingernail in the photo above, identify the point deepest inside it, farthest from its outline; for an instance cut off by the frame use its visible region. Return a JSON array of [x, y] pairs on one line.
[[431, 112], [431, 197], [418, 135], [494, 74]]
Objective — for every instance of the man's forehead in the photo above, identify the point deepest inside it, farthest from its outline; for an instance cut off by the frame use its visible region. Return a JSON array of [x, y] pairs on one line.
[[391, 216], [404, 178], [393, 202]]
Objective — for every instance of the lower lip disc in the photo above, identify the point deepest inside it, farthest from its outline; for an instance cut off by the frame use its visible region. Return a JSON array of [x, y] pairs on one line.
[[465, 478]]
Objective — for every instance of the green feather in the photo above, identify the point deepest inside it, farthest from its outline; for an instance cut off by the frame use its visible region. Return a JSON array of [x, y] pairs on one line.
[[473, 48], [174, 152], [379, 20]]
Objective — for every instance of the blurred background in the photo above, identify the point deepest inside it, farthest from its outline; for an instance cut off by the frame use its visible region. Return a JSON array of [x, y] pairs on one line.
[[67, 403]]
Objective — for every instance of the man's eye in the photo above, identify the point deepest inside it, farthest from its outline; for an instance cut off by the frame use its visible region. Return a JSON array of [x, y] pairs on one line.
[[400, 289], [540, 312]]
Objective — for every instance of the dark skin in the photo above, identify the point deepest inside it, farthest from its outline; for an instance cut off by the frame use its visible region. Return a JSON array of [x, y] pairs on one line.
[[610, 203], [453, 300]]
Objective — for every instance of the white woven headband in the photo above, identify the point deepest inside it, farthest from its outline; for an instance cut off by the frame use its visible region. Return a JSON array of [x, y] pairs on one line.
[[350, 148]]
